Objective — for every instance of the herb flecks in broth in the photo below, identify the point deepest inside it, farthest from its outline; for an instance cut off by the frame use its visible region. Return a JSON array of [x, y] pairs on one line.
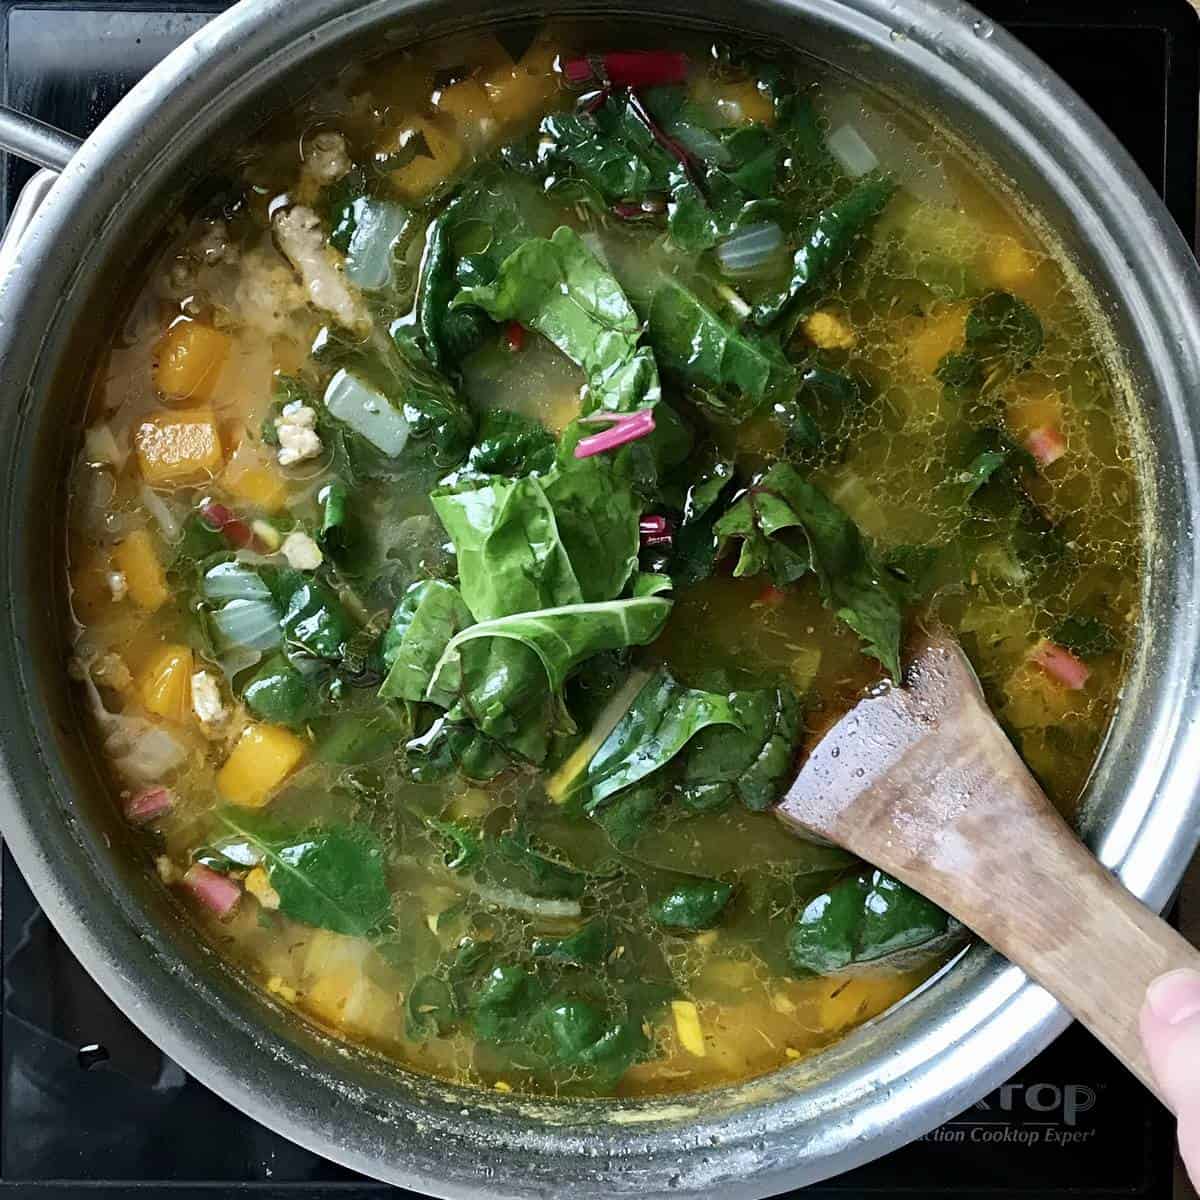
[[491, 494]]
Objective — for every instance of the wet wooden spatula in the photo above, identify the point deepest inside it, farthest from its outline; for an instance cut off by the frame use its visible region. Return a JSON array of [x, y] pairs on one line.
[[921, 782]]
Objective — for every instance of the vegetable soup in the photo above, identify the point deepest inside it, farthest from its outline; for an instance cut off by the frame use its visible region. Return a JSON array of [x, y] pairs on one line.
[[510, 463]]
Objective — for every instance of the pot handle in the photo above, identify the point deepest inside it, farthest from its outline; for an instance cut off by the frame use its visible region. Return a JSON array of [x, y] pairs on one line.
[[35, 141]]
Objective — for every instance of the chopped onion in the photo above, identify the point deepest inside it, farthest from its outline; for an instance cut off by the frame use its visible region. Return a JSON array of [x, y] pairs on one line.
[[163, 513], [847, 146], [535, 906], [899, 155], [369, 255], [100, 447], [148, 804], [367, 412], [750, 249], [233, 581], [141, 751], [250, 623], [625, 427], [219, 894]]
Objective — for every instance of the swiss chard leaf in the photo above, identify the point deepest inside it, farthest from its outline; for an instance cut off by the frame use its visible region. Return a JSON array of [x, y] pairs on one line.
[[663, 718], [448, 746], [694, 904], [862, 919], [694, 549], [557, 286], [829, 544], [511, 557], [825, 243], [692, 343], [332, 877], [610, 149], [588, 946], [506, 675], [753, 762], [279, 693], [316, 628], [509, 444], [561, 638], [428, 616]]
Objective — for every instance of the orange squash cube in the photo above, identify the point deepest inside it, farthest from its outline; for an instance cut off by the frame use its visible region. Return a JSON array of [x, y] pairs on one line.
[[254, 481], [179, 447], [165, 682], [265, 755], [465, 101], [520, 94], [188, 361], [145, 578], [425, 172], [943, 330]]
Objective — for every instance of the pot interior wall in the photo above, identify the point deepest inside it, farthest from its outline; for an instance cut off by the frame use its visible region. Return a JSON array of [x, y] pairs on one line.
[[144, 931]]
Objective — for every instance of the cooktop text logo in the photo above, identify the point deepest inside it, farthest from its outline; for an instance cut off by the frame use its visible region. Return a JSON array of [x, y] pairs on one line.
[[1064, 1101]]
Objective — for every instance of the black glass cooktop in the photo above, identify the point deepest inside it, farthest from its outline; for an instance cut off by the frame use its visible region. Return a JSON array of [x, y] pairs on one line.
[[89, 1107]]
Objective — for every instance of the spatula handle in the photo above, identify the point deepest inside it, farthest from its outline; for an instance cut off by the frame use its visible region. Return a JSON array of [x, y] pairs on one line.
[[1081, 935], [922, 782]]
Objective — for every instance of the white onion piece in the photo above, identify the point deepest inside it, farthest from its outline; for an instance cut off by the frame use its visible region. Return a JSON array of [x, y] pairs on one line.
[[164, 514], [535, 906], [100, 446], [233, 581], [701, 142], [367, 412], [141, 751], [750, 249], [250, 623], [847, 146], [369, 255], [897, 154]]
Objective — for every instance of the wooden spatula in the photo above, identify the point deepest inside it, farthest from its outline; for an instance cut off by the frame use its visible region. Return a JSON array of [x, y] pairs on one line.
[[922, 782]]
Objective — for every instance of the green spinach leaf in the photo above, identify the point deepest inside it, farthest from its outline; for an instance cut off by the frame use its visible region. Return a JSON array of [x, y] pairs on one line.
[[789, 527], [557, 286], [825, 243], [693, 905], [862, 919], [691, 342], [332, 877], [752, 762], [428, 616]]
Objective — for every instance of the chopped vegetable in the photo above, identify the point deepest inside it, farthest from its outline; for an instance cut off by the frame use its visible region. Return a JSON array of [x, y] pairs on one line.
[[1060, 664], [215, 892], [264, 756]]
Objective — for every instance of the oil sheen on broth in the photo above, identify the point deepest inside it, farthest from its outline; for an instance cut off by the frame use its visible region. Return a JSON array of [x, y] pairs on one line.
[[511, 461]]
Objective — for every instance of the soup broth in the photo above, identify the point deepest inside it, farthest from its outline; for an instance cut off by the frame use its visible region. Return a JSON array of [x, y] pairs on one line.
[[508, 468]]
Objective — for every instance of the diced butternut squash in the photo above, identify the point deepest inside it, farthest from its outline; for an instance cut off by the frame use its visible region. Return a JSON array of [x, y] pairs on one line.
[[265, 755], [165, 682], [179, 447], [258, 884], [188, 362], [520, 94], [735, 102], [687, 1027], [467, 102], [943, 330], [829, 330], [145, 579], [1010, 265], [425, 171], [249, 477]]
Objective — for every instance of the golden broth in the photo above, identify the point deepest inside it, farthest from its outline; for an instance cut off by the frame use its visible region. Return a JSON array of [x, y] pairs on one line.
[[224, 314]]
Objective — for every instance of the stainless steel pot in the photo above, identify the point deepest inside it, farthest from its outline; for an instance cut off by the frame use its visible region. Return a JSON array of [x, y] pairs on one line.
[[886, 1084]]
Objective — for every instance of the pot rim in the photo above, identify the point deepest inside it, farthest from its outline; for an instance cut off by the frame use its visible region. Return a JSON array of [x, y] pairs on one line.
[[456, 1142]]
